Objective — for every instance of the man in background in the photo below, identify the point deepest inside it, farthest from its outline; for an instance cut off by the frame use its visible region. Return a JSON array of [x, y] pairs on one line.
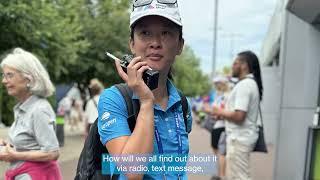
[[241, 115]]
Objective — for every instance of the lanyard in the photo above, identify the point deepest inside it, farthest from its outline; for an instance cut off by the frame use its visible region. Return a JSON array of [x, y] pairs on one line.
[[176, 117], [158, 139]]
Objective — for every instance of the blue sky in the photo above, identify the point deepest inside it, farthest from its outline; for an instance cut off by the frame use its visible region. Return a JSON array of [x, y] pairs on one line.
[[242, 25]]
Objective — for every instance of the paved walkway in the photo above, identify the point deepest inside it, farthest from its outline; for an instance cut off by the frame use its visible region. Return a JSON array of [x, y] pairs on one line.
[[199, 143]]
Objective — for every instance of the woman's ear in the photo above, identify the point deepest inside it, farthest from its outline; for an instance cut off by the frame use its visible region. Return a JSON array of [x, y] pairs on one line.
[[180, 46], [28, 77], [30, 81], [131, 45]]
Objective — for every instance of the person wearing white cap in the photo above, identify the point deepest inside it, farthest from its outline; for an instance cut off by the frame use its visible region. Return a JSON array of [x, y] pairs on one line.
[[218, 140], [156, 40]]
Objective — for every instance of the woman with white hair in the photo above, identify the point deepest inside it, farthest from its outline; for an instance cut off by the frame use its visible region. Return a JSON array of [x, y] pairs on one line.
[[32, 148]]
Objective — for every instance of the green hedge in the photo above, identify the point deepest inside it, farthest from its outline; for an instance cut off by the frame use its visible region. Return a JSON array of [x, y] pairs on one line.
[[6, 106]]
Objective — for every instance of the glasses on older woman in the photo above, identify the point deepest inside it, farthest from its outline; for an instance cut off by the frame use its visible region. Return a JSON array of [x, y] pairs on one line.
[[8, 76]]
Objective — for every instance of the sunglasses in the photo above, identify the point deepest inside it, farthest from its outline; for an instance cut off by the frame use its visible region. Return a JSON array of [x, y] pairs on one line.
[[139, 3]]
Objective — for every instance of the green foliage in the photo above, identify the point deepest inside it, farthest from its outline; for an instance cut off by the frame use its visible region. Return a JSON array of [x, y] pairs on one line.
[[52, 30], [107, 29], [49, 29], [6, 106], [188, 76], [70, 38], [226, 71]]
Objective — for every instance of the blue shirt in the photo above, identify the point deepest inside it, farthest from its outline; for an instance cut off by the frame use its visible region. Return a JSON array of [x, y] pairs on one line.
[[212, 96], [112, 122]]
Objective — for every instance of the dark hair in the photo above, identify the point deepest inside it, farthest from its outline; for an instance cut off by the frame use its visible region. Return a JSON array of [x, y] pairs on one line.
[[177, 26], [254, 67], [95, 90]]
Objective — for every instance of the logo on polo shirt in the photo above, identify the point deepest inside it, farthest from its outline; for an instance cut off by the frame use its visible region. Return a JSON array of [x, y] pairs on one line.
[[108, 123], [105, 116]]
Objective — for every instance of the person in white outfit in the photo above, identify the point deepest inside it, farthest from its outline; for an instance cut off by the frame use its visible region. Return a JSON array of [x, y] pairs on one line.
[[241, 115], [218, 141], [91, 111]]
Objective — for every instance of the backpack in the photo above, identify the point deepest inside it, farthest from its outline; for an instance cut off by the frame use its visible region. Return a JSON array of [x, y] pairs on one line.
[[89, 163]]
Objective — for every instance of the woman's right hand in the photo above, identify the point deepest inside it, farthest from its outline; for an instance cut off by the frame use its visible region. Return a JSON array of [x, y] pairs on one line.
[[7, 153], [3, 142], [133, 78]]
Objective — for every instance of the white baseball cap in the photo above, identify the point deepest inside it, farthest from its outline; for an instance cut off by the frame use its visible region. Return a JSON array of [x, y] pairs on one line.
[[220, 78], [158, 8]]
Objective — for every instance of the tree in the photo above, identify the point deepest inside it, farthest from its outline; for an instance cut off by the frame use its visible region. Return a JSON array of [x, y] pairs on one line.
[[106, 28], [70, 38], [188, 76], [226, 70], [50, 29]]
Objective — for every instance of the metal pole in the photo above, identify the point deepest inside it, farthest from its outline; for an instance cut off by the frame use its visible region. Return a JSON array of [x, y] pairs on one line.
[[215, 31]]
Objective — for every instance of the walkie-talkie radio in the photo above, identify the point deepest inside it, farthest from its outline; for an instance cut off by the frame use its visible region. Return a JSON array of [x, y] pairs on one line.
[[150, 77]]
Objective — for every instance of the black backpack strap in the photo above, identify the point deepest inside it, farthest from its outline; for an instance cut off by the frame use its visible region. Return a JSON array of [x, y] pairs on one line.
[[89, 164], [185, 109], [133, 106], [90, 158]]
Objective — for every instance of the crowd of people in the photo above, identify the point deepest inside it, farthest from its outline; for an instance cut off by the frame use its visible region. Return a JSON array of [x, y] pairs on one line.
[[161, 126]]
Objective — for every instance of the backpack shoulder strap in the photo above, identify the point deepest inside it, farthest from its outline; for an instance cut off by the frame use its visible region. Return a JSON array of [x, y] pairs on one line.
[[89, 164], [185, 108], [90, 160], [133, 106]]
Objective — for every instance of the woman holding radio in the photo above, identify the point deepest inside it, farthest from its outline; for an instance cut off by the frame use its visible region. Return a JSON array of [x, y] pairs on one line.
[[156, 40]]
